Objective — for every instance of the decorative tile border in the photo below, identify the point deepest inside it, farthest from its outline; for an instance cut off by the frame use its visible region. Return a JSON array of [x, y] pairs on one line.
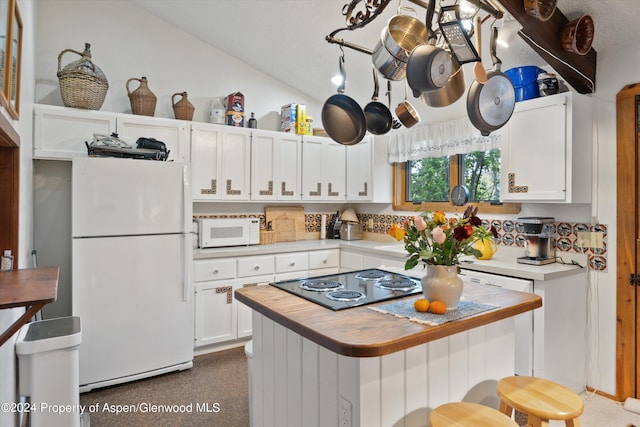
[[510, 232]]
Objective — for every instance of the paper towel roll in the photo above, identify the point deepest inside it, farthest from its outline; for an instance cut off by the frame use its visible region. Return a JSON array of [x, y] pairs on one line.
[[323, 227]]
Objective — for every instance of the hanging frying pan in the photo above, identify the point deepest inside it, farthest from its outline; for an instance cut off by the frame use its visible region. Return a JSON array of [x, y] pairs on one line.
[[378, 117], [342, 117], [491, 105]]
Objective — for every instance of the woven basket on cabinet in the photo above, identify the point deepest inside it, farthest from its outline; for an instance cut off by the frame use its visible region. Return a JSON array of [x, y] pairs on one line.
[[82, 83]]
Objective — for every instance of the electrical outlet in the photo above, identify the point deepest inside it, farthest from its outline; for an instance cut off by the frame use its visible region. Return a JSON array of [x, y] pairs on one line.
[[345, 413], [591, 239], [370, 223]]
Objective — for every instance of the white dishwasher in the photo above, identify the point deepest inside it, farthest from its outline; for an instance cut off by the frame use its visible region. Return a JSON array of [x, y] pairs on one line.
[[523, 322]]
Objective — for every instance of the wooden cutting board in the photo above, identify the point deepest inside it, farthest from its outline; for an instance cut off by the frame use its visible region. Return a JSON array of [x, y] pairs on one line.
[[287, 222]]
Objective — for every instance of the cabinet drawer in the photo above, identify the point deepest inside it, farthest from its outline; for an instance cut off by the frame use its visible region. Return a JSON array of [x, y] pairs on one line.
[[324, 259], [350, 261], [217, 269], [254, 266], [291, 262]]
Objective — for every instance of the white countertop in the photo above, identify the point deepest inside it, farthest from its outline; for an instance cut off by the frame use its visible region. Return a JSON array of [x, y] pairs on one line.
[[504, 262]]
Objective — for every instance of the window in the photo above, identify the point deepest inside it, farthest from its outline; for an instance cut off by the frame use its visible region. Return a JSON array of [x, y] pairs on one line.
[[428, 182]]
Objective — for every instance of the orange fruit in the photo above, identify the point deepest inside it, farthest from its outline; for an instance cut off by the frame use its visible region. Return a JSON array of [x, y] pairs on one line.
[[421, 305], [438, 307]]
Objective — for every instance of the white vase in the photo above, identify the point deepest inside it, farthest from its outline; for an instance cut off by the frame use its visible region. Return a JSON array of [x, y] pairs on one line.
[[442, 283]]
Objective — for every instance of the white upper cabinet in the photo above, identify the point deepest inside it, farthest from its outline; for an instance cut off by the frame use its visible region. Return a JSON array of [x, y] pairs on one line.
[[174, 133], [220, 162], [323, 169], [236, 163], [547, 151], [276, 165], [205, 161], [359, 166], [60, 133]]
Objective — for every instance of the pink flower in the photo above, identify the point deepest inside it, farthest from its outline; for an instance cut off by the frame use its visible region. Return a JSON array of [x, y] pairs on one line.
[[438, 235], [419, 222]]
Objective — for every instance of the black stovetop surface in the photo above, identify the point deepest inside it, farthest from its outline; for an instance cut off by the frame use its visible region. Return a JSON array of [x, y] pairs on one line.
[[365, 286]]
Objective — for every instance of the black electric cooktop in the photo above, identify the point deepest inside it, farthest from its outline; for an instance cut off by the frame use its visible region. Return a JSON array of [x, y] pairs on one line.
[[353, 288]]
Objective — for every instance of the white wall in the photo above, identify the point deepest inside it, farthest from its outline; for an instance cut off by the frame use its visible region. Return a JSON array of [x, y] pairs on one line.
[[8, 366], [127, 42]]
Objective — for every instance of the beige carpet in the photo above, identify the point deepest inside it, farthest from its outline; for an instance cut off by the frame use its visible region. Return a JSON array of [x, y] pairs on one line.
[[214, 393]]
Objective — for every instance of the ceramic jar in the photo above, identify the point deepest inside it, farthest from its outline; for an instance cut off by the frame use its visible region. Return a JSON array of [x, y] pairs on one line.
[[442, 283]]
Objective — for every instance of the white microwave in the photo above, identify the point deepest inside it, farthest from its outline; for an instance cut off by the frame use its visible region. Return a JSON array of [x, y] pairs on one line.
[[220, 232]]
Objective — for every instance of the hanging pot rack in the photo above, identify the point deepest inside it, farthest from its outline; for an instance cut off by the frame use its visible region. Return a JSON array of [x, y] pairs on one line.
[[373, 8]]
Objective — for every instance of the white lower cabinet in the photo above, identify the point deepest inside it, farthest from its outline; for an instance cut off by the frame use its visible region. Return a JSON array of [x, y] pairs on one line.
[[219, 318], [216, 312]]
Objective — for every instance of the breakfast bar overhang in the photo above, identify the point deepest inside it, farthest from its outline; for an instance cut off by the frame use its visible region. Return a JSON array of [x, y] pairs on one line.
[[313, 366]]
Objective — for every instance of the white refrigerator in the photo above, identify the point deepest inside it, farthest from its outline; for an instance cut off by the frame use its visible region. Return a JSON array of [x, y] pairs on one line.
[[131, 284]]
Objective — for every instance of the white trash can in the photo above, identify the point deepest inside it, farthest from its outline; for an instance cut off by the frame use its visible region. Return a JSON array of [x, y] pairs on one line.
[[248, 350], [48, 371]]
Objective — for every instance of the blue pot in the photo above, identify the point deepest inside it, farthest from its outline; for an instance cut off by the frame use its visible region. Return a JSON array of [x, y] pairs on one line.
[[528, 91], [521, 76]]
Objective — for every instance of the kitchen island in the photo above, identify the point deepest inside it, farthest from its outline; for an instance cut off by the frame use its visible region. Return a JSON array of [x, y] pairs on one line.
[[358, 367]]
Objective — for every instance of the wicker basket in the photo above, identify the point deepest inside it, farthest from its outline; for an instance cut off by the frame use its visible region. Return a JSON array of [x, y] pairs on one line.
[[143, 101], [267, 237], [182, 109], [82, 83]]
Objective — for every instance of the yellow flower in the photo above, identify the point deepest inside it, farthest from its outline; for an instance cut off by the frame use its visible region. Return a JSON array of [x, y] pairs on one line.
[[439, 218], [396, 232]]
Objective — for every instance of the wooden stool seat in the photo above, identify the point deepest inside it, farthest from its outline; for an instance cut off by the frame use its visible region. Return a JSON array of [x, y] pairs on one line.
[[466, 414], [542, 400]]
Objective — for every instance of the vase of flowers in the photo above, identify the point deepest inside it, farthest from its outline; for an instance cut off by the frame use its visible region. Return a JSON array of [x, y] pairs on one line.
[[438, 242]]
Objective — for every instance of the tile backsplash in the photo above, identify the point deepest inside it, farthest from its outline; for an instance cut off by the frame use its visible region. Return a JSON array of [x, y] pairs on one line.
[[510, 232]]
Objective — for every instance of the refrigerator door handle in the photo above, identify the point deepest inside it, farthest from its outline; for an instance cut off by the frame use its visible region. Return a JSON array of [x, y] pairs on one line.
[[186, 229], [187, 249]]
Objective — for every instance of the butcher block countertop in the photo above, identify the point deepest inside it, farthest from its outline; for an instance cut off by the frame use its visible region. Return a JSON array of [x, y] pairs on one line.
[[362, 332], [32, 288]]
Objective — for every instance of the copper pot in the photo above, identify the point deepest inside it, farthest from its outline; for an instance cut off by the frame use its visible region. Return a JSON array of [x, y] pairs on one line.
[[577, 35], [407, 115]]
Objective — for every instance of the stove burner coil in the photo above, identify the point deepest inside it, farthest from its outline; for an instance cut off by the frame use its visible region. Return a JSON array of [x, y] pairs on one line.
[[345, 295], [321, 285], [371, 275], [397, 284]]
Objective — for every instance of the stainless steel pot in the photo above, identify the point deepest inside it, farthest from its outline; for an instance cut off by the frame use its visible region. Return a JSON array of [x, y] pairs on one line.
[[450, 93], [397, 40]]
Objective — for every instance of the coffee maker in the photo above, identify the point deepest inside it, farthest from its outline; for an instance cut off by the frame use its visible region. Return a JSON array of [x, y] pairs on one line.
[[540, 242]]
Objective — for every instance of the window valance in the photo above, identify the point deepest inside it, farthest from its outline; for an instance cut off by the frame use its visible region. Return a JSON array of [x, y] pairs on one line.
[[439, 139]]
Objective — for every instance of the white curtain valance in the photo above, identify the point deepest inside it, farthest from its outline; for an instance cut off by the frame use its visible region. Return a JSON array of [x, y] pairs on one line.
[[438, 140]]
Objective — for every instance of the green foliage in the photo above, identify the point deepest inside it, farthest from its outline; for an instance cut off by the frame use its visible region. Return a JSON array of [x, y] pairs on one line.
[[430, 178]]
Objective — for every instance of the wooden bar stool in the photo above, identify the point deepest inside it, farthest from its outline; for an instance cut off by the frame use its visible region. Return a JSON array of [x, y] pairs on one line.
[[542, 400], [466, 414]]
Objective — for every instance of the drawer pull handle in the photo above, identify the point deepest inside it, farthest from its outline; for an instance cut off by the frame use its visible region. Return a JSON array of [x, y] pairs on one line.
[[256, 268], [324, 261], [216, 271], [293, 263]]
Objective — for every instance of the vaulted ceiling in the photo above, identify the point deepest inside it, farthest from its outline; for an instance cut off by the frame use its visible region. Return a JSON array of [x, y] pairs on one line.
[[286, 38]]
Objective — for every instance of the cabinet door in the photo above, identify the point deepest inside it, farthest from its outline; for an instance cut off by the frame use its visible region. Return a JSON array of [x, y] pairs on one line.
[[288, 166], [216, 318], [205, 161], [244, 312], [312, 177], [263, 168], [533, 151], [60, 133], [359, 178], [235, 154], [323, 169], [334, 163], [174, 133]]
